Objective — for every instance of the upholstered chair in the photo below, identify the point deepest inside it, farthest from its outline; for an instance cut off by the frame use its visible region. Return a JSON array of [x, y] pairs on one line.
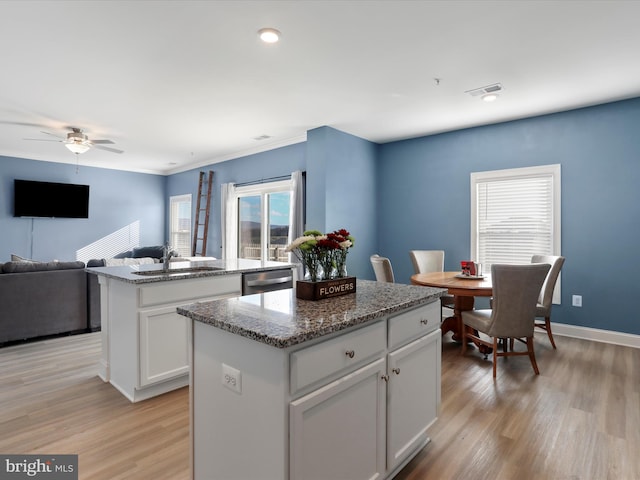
[[382, 268], [545, 300], [512, 316], [427, 261]]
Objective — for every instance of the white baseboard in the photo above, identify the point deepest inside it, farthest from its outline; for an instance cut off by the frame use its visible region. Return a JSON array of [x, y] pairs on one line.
[[596, 335]]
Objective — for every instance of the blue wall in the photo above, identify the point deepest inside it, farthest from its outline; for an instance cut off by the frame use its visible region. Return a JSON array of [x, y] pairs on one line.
[[273, 163], [341, 191], [424, 200], [117, 200], [395, 197], [340, 184]]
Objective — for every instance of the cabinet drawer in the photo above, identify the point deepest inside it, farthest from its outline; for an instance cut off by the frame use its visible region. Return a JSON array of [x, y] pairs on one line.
[[187, 290], [413, 324], [324, 361]]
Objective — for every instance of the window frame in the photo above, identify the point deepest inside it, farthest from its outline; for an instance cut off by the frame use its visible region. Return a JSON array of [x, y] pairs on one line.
[[523, 173], [173, 222], [262, 190]]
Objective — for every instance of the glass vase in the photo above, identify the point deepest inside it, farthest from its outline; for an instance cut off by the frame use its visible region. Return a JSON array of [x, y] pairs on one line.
[[341, 264], [342, 271], [327, 264]]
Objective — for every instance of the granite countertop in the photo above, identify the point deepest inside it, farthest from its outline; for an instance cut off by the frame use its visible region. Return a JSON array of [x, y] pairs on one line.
[[281, 320], [150, 273]]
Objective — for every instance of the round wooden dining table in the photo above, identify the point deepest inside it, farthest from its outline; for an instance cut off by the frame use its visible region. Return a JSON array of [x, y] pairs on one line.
[[463, 288]]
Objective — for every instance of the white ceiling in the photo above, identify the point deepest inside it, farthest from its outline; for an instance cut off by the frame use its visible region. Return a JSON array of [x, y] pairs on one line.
[[182, 84]]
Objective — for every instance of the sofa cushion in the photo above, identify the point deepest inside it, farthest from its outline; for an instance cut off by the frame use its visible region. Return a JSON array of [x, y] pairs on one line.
[[22, 267]]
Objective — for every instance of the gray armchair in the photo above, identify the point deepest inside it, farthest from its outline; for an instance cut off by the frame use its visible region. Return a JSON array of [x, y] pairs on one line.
[[515, 293], [545, 300], [382, 268]]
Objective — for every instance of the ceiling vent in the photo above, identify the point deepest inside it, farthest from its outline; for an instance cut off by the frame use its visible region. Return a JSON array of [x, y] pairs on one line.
[[493, 89]]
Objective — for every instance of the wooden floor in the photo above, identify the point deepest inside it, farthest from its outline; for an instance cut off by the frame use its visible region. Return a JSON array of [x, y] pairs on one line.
[[580, 419]]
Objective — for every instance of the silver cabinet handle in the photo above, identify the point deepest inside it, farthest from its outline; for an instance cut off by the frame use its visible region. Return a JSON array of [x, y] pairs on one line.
[[270, 281], [350, 353], [385, 378], [424, 321], [396, 371]]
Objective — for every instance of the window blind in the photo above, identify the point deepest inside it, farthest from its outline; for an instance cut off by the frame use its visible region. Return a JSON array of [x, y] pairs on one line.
[[515, 214], [514, 219]]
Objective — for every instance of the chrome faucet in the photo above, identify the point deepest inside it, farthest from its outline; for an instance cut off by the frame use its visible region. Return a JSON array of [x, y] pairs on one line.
[[166, 257]]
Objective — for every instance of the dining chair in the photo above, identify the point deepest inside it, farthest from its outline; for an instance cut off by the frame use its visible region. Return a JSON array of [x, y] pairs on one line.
[[512, 316], [545, 300], [427, 261], [382, 268]]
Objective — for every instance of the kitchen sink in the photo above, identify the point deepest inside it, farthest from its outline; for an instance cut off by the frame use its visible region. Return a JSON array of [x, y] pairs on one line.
[[177, 271]]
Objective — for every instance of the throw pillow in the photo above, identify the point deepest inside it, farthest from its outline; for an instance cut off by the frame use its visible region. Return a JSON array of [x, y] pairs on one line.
[[18, 258], [156, 251]]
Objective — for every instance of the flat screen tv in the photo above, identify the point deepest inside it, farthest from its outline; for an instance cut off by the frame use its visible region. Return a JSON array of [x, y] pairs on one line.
[[50, 200]]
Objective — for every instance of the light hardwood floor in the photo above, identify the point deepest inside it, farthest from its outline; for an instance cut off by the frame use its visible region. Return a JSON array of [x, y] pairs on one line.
[[580, 419]]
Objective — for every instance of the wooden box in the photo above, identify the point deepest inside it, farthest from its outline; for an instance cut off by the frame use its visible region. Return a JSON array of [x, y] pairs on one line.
[[306, 290]]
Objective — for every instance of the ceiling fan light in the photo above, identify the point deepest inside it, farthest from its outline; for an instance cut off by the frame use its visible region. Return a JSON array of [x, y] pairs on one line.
[[77, 147]]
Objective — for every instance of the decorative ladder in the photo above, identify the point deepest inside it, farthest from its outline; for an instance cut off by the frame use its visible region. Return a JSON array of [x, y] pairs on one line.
[[201, 227]]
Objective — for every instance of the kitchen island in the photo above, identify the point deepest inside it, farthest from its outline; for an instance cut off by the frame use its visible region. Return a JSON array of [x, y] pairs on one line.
[[145, 343], [284, 388]]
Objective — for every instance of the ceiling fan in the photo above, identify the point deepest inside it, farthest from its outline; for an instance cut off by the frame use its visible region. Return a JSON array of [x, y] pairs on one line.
[[78, 142]]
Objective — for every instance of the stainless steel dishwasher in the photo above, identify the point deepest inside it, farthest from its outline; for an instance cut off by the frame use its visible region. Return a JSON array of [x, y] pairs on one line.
[[267, 281]]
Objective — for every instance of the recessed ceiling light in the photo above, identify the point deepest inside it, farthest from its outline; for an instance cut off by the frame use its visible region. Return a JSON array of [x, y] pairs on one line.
[[269, 35]]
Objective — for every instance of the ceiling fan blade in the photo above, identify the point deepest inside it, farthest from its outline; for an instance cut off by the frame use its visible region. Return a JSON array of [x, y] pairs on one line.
[[41, 140], [102, 142], [52, 134], [22, 124], [114, 150]]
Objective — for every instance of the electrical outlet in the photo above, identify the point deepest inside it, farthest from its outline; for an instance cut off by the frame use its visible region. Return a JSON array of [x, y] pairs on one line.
[[231, 378], [577, 301]]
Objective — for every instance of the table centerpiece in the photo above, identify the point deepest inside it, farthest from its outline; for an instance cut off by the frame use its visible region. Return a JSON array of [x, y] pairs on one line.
[[324, 258]]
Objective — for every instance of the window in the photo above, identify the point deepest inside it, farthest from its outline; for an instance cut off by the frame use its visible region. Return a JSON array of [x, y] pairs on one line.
[[180, 224], [515, 214], [263, 219]]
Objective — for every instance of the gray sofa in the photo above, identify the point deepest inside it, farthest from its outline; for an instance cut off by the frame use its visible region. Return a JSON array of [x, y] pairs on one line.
[[39, 299]]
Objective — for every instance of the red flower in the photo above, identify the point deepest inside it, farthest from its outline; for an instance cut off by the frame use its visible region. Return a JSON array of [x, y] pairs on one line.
[[336, 237], [328, 244]]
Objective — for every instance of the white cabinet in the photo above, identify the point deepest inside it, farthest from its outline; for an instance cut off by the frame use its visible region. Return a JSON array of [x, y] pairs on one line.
[[344, 422], [164, 345], [354, 405], [146, 344], [319, 364], [406, 360], [414, 395]]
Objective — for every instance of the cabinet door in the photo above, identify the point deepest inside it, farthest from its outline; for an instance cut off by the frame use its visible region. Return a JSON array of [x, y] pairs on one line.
[[338, 431], [414, 395], [164, 345]]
